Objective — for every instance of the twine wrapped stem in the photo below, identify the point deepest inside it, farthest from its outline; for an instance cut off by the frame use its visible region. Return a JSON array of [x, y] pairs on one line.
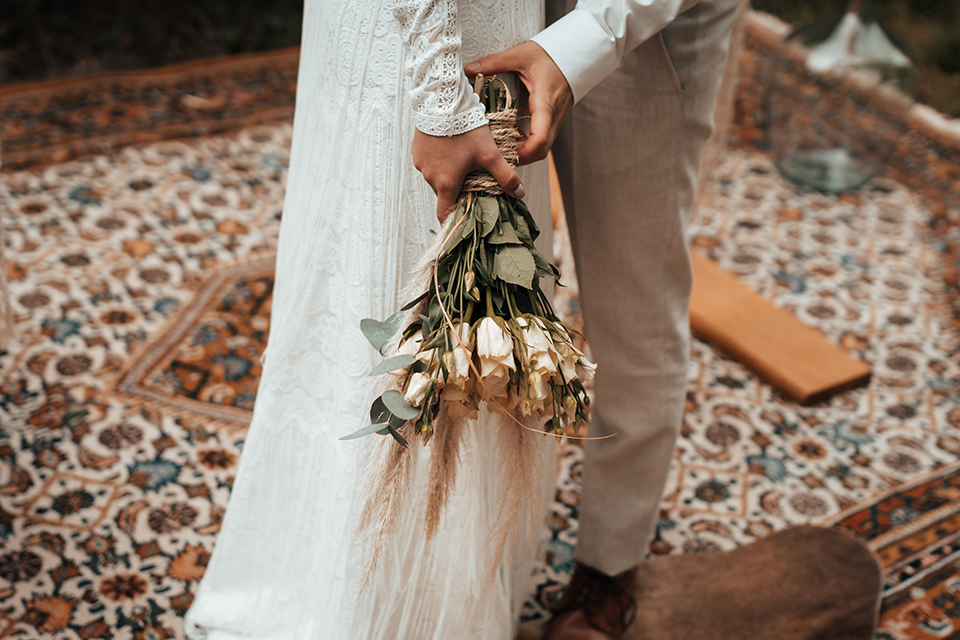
[[503, 127]]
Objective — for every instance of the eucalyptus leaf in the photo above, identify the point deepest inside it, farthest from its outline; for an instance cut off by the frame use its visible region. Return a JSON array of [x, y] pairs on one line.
[[392, 324], [375, 333], [394, 363], [379, 333], [396, 435], [490, 214], [515, 265], [379, 411], [394, 401], [367, 430], [506, 234], [411, 305]]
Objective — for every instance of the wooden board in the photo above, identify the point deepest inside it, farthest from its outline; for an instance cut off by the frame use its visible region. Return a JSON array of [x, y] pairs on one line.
[[796, 359]]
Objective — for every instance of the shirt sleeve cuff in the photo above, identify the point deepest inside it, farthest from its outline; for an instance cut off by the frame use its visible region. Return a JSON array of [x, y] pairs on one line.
[[582, 48]]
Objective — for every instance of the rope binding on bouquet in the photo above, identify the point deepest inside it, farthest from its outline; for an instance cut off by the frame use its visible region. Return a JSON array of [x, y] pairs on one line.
[[503, 127], [478, 333]]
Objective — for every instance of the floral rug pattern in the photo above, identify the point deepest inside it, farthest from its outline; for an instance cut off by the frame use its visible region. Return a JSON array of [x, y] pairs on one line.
[[140, 289]]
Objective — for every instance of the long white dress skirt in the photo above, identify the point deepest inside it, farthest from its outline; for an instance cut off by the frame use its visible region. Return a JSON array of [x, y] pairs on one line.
[[288, 563]]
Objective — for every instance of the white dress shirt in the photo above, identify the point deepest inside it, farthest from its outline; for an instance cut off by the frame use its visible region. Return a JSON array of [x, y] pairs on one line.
[[587, 45], [589, 42]]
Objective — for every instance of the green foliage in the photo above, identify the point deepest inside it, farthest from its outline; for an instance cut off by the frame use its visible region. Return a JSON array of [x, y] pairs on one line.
[[392, 364], [379, 334], [930, 29]]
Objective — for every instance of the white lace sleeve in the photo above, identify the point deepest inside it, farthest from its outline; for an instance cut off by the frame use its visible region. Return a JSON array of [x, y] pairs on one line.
[[443, 100]]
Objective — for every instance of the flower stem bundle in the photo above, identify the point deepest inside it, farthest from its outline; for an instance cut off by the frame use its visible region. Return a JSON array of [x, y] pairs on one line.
[[479, 328], [482, 331]]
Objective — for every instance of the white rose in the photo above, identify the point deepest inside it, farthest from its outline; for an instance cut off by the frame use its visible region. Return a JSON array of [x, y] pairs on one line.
[[426, 357], [585, 369], [537, 389], [495, 349], [458, 360], [407, 348], [568, 355], [541, 352], [417, 389]]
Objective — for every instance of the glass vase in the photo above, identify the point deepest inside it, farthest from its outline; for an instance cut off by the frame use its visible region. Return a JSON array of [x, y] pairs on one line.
[[837, 92]]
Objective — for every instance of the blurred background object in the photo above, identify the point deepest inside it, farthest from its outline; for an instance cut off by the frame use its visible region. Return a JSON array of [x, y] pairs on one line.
[[823, 77], [931, 28], [6, 311], [52, 38]]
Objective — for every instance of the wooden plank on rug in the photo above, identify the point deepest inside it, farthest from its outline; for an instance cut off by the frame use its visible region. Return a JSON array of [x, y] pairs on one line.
[[797, 360]]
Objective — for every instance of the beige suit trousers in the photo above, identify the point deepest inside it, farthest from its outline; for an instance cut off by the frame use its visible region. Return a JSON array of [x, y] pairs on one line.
[[627, 159]]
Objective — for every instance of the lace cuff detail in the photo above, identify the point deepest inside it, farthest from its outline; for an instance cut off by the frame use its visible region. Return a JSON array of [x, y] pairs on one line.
[[450, 125], [443, 101]]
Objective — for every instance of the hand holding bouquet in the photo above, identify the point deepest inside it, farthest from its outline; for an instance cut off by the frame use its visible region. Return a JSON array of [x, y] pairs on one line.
[[483, 329], [479, 329]]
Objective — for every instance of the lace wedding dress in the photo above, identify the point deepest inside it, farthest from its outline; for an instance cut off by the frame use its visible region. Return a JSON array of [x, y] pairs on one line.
[[288, 563]]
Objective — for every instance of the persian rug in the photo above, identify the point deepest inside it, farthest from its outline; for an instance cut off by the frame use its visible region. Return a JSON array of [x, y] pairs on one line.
[[64, 118], [915, 531], [140, 287], [141, 283], [927, 154]]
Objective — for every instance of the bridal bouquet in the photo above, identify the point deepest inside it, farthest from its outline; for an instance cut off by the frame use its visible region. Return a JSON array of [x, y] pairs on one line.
[[478, 329], [482, 330]]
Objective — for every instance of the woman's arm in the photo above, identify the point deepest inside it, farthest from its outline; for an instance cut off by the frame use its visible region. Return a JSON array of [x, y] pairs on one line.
[[443, 101], [451, 138]]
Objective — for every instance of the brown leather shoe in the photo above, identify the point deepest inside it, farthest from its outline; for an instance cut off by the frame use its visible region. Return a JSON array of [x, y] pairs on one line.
[[595, 606]]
